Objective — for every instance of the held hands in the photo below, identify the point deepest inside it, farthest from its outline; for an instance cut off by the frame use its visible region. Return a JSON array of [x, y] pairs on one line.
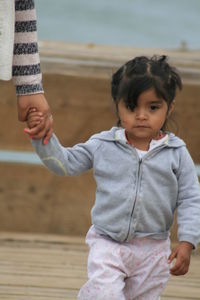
[[36, 122], [182, 254], [37, 130]]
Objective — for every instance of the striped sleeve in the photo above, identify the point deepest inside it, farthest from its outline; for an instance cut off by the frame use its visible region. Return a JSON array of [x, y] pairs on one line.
[[26, 70]]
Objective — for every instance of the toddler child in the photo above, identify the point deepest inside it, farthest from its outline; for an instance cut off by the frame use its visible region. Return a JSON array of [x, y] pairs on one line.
[[143, 175]]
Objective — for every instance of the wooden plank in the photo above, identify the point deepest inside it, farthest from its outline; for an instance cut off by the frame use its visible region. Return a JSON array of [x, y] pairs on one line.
[[43, 238], [99, 61], [39, 267], [36, 293]]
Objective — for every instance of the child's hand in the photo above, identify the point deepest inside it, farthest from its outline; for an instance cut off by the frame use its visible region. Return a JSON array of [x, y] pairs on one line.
[[182, 255], [34, 118], [45, 129], [36, 121]]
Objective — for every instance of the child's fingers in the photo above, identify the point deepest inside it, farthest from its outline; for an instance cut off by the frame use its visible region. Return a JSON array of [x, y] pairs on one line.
[[35, 115], [31, 128], [172, 256], [182, 255], [35, 119], [49, 125], [40, 134], [180, 267], [27, 130], [33, 124], [176, 268], [47, 136], [42, 130], [35, 131]]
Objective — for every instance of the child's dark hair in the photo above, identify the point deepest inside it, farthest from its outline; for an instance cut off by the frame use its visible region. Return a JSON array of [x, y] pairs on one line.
[[141, 74]]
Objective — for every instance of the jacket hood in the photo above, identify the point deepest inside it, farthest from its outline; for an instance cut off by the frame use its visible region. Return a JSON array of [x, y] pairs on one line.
[[175, 141], [117, 134]]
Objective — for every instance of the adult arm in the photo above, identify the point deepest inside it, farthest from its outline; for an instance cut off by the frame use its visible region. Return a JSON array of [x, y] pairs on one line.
[[26, 71]]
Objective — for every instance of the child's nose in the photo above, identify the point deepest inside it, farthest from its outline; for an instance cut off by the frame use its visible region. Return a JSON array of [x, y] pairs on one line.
[[141, 114]]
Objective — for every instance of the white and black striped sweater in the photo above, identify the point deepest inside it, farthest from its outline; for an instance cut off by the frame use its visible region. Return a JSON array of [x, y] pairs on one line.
[[26, 62]]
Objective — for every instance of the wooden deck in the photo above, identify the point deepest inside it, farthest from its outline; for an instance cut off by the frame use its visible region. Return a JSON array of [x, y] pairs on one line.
[[43, 267], [99, 61]]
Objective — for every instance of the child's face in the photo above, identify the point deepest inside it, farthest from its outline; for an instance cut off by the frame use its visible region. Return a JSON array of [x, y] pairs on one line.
[[146, 120]]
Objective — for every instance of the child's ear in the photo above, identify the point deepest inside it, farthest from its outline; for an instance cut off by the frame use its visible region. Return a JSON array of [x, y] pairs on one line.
[[171, 108]]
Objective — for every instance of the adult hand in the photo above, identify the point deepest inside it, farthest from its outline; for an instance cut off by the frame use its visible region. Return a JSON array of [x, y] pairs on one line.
[[45, 128], [182, 255]]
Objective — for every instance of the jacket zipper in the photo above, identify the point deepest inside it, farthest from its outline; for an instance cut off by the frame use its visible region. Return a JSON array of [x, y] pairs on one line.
[[140, 160], [136, 194]]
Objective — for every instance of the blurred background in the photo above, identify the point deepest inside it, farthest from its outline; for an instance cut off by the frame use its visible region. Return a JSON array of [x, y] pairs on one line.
[[138, 23], [81, 45]]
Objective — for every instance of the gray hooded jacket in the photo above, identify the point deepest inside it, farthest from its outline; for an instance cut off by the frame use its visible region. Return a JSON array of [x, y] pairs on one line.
[[134, 197]]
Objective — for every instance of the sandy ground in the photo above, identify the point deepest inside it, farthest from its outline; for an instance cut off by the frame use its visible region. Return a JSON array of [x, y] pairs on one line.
[[34, 200]]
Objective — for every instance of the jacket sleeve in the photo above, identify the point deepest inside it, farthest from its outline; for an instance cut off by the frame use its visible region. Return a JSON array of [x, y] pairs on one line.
[[65, 160], [26, 62], [188, 209], [7, 15]]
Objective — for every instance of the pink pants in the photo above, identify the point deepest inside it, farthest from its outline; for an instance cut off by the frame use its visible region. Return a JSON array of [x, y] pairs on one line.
[[125, 271]]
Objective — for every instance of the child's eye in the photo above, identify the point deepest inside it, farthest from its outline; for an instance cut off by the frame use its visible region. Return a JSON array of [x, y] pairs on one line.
[[154, 107], [130, 108]]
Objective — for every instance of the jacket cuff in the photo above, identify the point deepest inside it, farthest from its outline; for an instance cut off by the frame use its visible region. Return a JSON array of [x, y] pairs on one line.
[[189, 239], [29, 89]]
